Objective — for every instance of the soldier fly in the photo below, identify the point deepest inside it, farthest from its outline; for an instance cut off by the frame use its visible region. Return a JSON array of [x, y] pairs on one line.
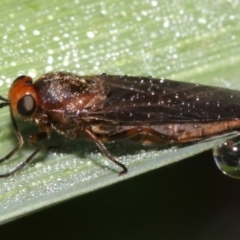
[[105, 108]]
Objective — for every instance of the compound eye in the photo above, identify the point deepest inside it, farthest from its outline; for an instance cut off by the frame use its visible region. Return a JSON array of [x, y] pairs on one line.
[[26, 106]]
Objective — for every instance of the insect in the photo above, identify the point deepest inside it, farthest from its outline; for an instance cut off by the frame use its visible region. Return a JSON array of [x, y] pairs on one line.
[[105, 108]]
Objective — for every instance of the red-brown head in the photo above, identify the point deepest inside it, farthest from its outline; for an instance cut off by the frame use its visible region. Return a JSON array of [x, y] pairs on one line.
[[22, 97]]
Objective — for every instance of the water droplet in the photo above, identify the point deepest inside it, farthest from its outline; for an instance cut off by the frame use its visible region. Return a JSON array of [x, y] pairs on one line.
[[227, 157], [36, 32], [90, 34]]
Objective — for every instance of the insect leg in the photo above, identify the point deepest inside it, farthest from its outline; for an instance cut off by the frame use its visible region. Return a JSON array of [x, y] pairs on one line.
[[19, 167], [104, 150], [18, 136], [32, 139]]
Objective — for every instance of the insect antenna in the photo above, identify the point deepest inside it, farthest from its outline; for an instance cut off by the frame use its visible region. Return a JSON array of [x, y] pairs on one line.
[[4, 103]]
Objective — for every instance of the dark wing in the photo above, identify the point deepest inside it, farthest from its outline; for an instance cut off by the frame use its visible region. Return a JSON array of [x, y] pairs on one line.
[[146, 100]]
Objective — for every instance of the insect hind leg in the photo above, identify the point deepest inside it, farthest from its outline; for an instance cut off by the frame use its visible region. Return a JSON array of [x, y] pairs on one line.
[[105, 151]]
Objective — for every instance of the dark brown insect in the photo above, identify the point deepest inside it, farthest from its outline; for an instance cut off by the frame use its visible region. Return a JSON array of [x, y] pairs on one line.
[[106, 108]]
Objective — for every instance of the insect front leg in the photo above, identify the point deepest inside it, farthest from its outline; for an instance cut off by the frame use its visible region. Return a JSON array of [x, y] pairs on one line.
[[19, 146], [33, 139]]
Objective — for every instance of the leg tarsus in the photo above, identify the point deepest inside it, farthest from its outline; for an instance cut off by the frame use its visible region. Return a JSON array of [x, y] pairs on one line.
[[124, 171]]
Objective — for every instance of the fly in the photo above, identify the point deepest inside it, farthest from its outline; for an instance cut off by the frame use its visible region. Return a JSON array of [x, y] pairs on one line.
[[105, 108]]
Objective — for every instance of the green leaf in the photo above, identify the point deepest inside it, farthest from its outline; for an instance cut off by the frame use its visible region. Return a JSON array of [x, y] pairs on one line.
[[194, 41]]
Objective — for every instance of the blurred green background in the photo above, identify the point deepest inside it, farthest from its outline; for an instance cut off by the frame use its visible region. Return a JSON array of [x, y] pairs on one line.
[[195, 41]]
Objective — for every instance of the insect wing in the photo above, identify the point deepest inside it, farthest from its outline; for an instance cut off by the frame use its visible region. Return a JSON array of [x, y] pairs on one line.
[[134, 100]]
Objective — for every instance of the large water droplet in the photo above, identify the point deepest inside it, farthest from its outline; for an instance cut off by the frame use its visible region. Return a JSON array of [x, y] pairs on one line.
[[227, 157]]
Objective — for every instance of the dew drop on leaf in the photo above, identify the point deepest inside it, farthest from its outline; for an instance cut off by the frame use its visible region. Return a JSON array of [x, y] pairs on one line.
[[227, 157]]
